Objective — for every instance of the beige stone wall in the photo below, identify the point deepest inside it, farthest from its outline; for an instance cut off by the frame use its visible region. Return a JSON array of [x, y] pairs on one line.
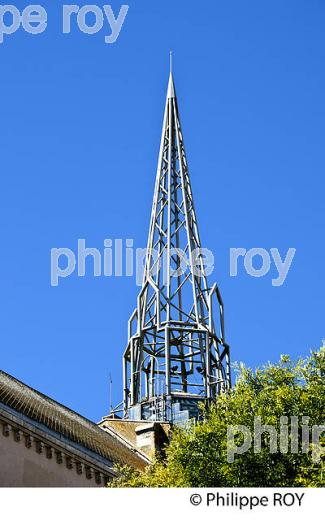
[[148, 437], [25, 462]]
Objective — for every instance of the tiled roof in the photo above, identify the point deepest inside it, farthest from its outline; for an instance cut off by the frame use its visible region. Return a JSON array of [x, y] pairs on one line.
[[65, 422]]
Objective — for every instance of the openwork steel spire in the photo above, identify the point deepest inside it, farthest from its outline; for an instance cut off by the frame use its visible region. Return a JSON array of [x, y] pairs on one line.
[[176, 354]]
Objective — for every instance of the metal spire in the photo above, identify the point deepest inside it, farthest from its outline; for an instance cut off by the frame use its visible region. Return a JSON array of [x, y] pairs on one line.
[[176, 356]]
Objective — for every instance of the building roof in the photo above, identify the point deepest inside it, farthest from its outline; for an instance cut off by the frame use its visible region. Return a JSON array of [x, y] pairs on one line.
[[127, 428], [60, 419]]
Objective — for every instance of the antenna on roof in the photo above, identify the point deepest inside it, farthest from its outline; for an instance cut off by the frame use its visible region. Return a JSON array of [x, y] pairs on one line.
[[110, 382], [171, 61]]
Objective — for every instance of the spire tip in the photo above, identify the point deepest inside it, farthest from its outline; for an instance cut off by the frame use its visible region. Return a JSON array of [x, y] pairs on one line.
[[171, 88]]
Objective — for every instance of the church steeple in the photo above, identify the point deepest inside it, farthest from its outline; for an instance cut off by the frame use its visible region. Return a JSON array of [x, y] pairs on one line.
[[175, 356]]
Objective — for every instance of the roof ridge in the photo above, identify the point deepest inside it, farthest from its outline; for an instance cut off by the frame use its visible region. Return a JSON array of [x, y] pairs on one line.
[[46, 397], [58, 418]]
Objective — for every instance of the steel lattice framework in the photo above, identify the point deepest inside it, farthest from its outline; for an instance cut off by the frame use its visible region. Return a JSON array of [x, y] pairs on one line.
[[176, 347]]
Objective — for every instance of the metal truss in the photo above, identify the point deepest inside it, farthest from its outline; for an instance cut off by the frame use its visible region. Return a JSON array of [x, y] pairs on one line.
[[176, 345]]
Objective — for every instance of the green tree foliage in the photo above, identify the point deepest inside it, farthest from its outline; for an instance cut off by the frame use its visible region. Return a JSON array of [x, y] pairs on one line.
[[197, 454]]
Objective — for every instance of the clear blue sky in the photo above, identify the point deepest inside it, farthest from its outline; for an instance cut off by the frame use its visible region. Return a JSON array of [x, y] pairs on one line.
[[79, 138]]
